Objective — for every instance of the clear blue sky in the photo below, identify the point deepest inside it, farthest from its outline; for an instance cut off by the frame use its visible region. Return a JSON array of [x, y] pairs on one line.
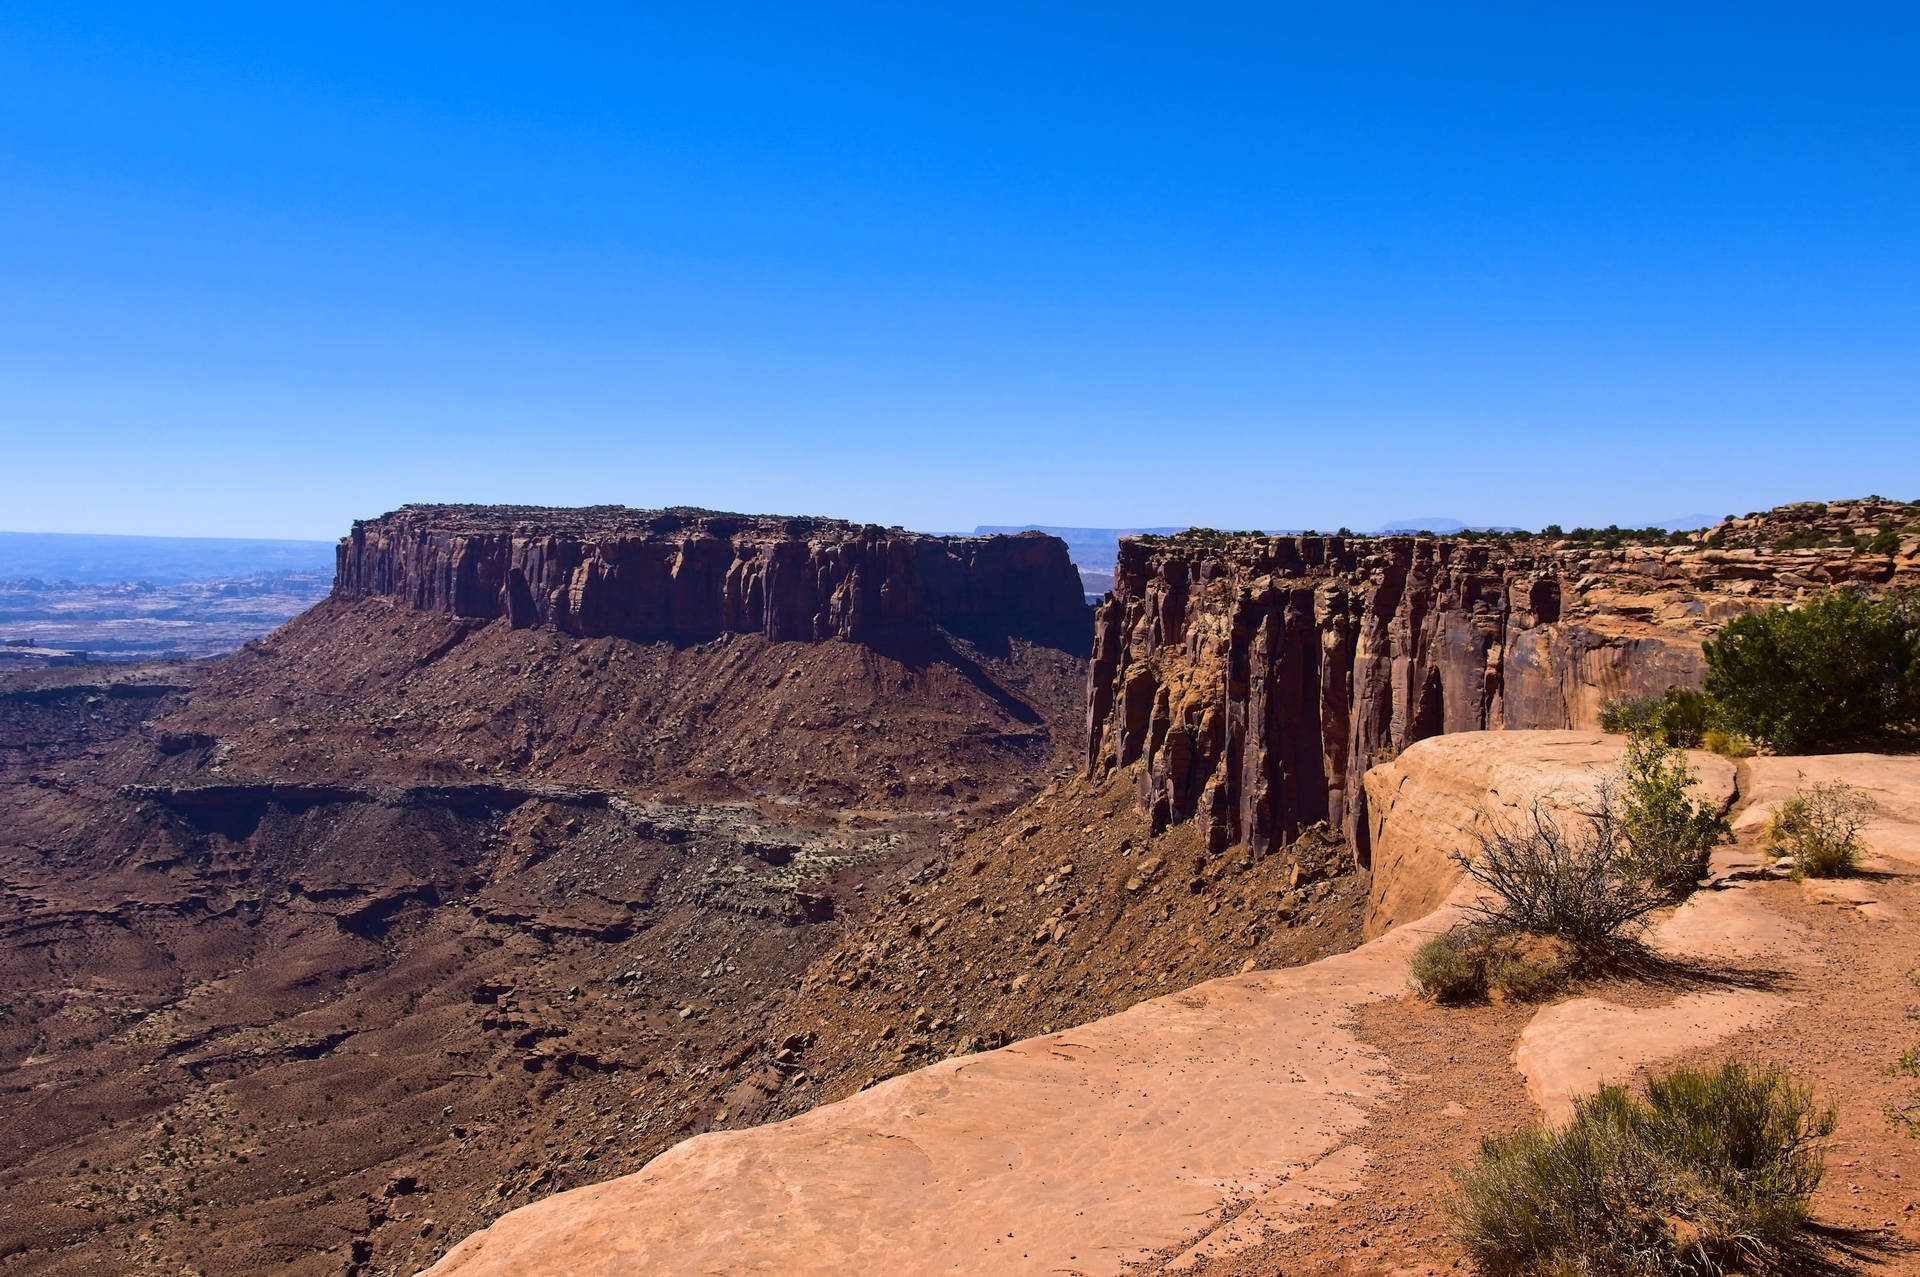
[[267, 268]]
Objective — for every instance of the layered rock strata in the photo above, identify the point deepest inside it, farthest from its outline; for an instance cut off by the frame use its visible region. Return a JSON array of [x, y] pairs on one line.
[[688, 576], [1255, 679]]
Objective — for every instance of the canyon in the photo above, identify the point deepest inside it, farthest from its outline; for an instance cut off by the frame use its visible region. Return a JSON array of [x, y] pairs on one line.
[[552, 839], [68, 598], [404, 877]]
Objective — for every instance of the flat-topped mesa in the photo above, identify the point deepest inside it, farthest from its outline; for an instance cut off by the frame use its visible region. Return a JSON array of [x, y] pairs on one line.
[[688, 575], [1255, 679]]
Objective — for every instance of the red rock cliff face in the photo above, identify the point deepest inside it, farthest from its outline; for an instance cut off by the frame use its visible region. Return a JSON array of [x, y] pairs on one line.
[[690, 575], [1256, 679]]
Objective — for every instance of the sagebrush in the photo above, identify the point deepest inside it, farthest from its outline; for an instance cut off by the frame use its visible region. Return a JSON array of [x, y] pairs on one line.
[[1905, 1114], [1467, 963], [1451, 967], [1711, 1168], [1819, 827]]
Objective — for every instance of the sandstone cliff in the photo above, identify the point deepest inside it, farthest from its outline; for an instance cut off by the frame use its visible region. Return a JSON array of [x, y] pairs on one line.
[[1256, 679], [688, 575]]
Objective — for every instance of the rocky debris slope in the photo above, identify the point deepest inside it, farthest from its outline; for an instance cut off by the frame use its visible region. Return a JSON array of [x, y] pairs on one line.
[[1255, 679], [688, 575], [242, 1011], [50, 715], [1066, 910], [374, 690]]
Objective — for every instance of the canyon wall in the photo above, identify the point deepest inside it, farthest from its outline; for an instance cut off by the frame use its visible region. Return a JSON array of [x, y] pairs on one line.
[[691, 575], [1255, 679]]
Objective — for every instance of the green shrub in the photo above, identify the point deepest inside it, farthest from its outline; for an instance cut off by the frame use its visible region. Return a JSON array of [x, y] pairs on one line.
[[1710, 1168], [1669, 837], [1904, 1114], [1629, 715], [1467, 963], [1726, 744], [1820, 828], [1546, 879], [1679, 716], [1451, 968], [1836, 670], [1684, 714]]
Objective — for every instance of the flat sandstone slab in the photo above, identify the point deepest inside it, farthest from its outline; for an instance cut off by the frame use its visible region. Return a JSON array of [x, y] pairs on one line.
[[1572, 1048], [1077, 1152]]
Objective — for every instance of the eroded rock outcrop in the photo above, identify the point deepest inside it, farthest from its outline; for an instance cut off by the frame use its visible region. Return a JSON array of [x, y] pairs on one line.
[[1255, 679], [688, 575]]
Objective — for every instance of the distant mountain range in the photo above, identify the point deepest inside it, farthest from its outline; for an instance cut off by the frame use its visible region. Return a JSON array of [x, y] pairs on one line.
[[1685, 522], [1429, 524]]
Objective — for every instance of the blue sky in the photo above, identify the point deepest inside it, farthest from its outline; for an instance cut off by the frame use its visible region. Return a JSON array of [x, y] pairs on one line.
[[264, 269]]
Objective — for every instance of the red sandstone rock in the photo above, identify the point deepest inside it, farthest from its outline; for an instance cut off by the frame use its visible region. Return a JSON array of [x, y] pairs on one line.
[[1256, 679], [691, 575]]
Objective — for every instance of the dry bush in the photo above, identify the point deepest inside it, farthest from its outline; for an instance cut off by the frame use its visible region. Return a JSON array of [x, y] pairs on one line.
[[1819, 827], [1529, 968], [1576, 881]]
